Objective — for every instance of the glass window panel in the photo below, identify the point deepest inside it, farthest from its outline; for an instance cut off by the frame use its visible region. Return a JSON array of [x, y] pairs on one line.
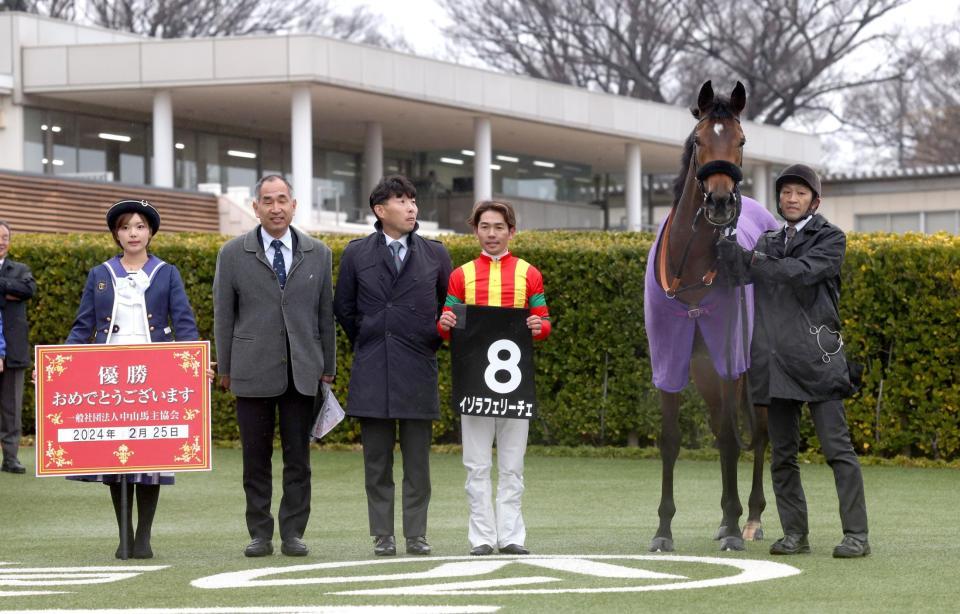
[[941, 220], [273, 161], [185, 159], [113, 150], [239, 161], [871, 223], [34, 138], [905, 222]]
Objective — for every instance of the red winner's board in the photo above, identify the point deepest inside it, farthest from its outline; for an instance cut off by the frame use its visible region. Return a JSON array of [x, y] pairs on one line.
[[122, 408]]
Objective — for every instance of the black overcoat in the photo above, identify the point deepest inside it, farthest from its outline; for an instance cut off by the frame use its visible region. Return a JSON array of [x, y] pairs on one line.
[[796, 351], [391, 320], [17, 281]]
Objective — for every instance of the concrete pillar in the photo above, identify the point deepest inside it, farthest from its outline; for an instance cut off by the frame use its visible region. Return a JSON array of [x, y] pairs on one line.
[[301, 152], [372, 160], [163, 139], [633, 193], [482, 158], [761, 186], [11, 135]]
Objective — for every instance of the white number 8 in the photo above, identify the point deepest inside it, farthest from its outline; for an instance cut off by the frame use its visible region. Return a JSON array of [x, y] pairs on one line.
[[509, 365]]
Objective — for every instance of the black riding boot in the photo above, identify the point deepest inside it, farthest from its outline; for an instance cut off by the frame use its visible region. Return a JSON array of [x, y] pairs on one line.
[[147, 497], [115, 496]]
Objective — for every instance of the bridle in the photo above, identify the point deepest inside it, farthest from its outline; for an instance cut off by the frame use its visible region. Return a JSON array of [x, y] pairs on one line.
[[712, 167]]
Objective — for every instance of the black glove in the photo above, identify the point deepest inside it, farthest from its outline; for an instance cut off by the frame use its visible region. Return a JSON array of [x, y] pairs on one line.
[[733, 260]]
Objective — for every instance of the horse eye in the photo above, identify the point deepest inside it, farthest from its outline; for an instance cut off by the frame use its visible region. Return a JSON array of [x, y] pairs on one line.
[[743, 142]]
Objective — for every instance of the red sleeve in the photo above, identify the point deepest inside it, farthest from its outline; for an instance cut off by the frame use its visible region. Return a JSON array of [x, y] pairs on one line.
[[455, 294], [538, 301]]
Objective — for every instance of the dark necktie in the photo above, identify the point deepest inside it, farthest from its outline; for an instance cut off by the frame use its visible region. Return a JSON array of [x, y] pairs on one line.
[[395, 248], [791, 232], [278, 264]]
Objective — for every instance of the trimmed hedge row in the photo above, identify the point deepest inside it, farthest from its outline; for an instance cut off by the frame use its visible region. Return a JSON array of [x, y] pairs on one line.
[[900, 307]]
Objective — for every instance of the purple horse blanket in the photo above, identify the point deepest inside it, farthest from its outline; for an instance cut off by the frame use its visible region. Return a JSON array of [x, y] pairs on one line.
[[671, 324]]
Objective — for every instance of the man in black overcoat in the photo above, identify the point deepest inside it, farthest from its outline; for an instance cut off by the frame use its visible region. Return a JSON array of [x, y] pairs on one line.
[[797, 356], [17, 286], [390, 290]]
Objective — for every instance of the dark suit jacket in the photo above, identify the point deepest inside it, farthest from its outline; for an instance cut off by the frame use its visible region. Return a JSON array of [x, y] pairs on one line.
[[254, 319], [391, 319], [16, 280]]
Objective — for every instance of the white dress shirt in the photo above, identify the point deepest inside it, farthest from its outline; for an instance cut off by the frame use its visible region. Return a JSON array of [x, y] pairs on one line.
[[286, 250]]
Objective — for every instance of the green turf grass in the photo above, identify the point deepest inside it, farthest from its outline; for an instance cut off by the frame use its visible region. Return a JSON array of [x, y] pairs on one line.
[[571, 506]]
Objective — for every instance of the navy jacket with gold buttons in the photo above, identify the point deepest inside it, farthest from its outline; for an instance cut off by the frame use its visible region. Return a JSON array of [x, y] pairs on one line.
[[169, 314]]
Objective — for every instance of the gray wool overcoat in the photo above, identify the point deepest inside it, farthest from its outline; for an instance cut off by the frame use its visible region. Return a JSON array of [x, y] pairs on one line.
[[254, 318]]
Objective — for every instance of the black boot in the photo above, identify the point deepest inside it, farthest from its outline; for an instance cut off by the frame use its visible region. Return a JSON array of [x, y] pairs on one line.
[[147, 497], [115, 496]]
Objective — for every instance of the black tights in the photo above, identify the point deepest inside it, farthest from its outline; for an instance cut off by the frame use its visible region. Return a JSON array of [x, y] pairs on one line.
[[146, 496]]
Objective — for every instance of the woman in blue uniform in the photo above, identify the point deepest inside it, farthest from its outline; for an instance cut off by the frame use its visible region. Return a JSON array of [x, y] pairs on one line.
[[134, 297]]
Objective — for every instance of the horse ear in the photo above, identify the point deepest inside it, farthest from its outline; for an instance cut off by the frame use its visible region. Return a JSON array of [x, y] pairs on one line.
[[705, 98], [738, 99]]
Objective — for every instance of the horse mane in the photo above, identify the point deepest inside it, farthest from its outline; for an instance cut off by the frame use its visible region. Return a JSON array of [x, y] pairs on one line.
[[719, 109]]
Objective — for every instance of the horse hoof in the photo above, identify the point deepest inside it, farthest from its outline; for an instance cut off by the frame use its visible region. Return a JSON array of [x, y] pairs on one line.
[[731, 544], [753, 532], [661, 544], [721, 533]]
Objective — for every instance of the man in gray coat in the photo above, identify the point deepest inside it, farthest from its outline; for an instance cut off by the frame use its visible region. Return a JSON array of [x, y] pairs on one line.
[[390, 291], [276, 341], [17, 286]]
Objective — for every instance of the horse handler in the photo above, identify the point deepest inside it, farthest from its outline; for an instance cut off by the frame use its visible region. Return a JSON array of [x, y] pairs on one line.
[[499, 279], [797, 356]]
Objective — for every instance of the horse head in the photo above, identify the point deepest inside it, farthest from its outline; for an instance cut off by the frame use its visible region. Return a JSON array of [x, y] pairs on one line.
[[718, 142]]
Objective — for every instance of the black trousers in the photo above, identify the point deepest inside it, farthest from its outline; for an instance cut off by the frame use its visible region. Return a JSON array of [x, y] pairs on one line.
[[831, 425], [379, 437], [11, 408], [256, 417]]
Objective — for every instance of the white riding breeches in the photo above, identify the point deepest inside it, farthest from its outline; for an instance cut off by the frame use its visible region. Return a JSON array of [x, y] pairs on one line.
[[506, 526]]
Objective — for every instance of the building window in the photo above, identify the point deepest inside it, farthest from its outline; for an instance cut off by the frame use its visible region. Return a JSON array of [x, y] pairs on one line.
[[85, 146], [923, 221]]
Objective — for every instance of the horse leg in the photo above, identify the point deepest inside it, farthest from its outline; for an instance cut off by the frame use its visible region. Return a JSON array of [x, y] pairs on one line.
[[708, 384], [753, 530], [732, 539], [669, 451]]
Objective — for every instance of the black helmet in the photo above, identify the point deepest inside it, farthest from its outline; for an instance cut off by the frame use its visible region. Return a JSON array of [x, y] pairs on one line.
[[798, 172], [145, 209], [802, 172]]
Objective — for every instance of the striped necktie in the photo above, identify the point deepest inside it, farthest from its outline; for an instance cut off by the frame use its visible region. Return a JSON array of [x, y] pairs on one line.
[[791, 232]]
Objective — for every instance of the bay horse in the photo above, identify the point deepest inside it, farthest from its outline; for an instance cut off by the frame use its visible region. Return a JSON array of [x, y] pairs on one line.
[[697, 327]]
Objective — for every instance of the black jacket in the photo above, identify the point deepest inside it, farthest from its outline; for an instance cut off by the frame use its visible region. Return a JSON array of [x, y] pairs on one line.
[[16, 280], [391, 320], [796, 351]]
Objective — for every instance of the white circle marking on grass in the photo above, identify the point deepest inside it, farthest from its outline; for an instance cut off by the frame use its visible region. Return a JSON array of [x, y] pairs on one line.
[[460, 571]]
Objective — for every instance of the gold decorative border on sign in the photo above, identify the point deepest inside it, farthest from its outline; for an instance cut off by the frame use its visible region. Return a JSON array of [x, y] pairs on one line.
[[123, 453], [56, 418], [56, 366], [189, 361], [58, 456], [190, 414], [190, 451]]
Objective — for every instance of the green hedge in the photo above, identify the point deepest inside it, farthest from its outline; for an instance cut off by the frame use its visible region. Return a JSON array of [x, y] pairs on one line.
[[900, 309]]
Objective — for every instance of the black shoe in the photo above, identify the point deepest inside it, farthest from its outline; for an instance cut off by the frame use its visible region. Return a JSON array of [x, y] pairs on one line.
[[384, 545], [851, 548], [13, 465], [294, 546], [514, 549], [481, 550], [418, 545], [258, 546], [791, 544]]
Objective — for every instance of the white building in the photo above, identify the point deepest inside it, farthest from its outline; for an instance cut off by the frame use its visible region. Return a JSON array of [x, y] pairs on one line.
[[214, 114]]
